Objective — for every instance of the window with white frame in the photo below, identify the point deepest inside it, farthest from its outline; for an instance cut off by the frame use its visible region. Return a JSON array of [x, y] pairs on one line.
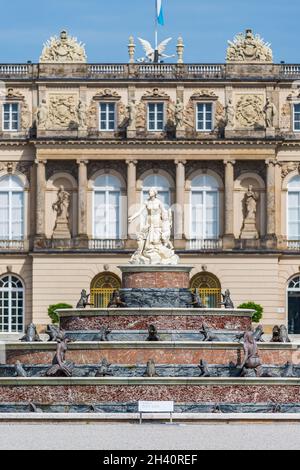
[[161, 184], [107, 208], [10, 117], [156, 117], [293, 209], [204, 208], [204, 117], [11, 304], [11, 208], [107, 116], [297, 117]]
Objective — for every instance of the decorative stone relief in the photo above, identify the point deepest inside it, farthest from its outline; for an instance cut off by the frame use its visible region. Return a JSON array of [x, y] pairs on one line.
[[155, 93], [62, 112], [54, 167], [26, 117], [63, 49], [249, 111], [289, 167], [118, 166], [13, 94], [106, 93], [255, 167], [144, 166], [17, 167], [249, 48], [213, 165], [220, 115], [204, 94], [285, 117], [141, 116], [92, 115]]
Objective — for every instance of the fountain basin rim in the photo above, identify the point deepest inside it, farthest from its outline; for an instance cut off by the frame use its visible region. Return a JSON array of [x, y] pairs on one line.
[[195, 417], [150, 268], [98, 345], [146, 381], [107, 312]]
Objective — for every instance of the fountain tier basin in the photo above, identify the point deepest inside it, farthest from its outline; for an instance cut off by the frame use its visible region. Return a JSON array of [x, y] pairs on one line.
[[163, 318], [139, 353]]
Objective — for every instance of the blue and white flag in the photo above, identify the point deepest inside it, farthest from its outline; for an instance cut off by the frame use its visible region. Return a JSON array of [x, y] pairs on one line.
[[160, 13]]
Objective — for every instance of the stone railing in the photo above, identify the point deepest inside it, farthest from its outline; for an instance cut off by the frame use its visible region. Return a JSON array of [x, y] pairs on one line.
[[14, 245], [15, 70], [293, 245], [209, 244], [106, 244], [290, 71]]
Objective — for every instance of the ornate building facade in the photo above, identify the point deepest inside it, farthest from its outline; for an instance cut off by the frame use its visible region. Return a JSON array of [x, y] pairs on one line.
[[81, 145]]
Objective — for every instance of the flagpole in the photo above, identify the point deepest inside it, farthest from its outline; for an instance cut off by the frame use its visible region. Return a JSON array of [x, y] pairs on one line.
[[156, 56]]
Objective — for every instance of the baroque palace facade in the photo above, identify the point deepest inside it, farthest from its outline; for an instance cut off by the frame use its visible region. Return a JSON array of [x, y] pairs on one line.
[[81, 145]]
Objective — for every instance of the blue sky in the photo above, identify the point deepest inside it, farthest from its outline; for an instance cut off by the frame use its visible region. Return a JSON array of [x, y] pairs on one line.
[[104, 26]]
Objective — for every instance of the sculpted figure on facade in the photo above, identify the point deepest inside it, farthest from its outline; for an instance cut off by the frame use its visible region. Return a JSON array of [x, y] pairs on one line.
[[230, 115], [154, 246], [251, 199], [270, 112], [61, 207], [249, 111], [63, 112], [63, 49], [82, 115], [249, 48], [131, 109], [42, 115], [25, 117], [179, 114]]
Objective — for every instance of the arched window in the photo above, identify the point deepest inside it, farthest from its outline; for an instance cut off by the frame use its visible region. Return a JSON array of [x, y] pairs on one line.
[[209, 288], [102, 288], [107, 207], [293, 295], [293, 228], [204, 208], [11, 305], [161, 184], [11, 208]]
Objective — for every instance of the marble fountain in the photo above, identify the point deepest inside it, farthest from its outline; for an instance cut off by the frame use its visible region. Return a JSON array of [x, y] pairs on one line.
[[156, 342]]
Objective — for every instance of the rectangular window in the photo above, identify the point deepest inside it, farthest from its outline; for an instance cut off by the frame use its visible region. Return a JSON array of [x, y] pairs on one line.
[[204, 214], [156, 117], [294, 215], [11, 216], [296, 117], [107, 215], [204, 117], [10, 119], [107, 116]]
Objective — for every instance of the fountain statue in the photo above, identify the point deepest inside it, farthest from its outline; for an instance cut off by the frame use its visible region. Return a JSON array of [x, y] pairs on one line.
[[154, 245]]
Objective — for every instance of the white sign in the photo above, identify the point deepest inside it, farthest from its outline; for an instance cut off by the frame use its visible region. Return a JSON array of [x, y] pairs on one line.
[[156, 407]]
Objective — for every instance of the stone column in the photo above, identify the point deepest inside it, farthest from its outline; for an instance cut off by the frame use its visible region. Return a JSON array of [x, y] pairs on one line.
[[40, 198], [228, 239], [179, 208], [272, 203], [131, 199], [82, 199]]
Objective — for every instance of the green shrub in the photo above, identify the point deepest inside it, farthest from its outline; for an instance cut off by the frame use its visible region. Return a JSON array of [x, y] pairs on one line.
[[52, 308], [257, 316]]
